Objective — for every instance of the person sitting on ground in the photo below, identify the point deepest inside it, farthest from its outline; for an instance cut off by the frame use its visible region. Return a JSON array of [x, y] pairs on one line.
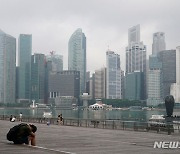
[[22, 134], [13, 119]]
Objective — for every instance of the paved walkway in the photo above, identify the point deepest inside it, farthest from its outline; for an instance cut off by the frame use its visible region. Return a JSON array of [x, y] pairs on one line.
[[69, 140]]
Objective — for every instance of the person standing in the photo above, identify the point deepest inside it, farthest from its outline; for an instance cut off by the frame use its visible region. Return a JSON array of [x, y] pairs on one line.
[[10, 118], [20, 117], [60, 119]]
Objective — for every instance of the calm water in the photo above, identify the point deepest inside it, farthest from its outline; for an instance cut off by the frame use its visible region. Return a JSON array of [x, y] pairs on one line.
[[142, 115]]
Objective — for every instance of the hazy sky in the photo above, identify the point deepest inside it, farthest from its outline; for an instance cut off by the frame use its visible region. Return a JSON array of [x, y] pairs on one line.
[[104, 22]]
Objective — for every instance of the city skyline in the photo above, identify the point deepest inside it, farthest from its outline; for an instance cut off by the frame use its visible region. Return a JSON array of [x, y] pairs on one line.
[[52, 24]]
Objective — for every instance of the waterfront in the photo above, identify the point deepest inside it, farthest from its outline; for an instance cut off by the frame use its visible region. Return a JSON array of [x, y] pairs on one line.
[[80, 140], [139, 115]]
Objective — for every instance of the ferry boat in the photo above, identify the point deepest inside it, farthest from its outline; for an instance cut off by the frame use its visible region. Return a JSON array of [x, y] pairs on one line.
[[47, 114], [157, 122], [33, 105]]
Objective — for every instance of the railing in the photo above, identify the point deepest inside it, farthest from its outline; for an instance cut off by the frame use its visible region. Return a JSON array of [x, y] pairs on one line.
[[104, 124]]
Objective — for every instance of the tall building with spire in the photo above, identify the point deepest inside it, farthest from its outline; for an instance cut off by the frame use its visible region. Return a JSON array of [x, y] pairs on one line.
[[7, 68], [77, 56], [24, 69]]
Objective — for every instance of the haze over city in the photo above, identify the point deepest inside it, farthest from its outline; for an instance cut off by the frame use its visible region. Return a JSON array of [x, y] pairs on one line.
[[104, 23]]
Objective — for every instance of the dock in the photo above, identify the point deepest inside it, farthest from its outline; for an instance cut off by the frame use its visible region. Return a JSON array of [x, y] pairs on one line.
[[58, 139]]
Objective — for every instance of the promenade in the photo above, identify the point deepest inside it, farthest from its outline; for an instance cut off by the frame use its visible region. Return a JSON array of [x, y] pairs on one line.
[[79, 140]]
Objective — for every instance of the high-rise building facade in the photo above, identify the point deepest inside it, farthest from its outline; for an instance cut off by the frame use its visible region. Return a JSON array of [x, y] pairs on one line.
[[64, 83], [175, 87], [24, 67], [136, 56], [77, 56], [155, 71], [154, 87], [134, 85], [92, 86], [134, 35], [7, 68], [158, 42], [168, 60], [57, 61], [100, 83], [38, 78], [154, 82], [113, 75]]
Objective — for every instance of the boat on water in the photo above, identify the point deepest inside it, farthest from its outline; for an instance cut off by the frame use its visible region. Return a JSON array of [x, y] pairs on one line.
[[33, 105], [156, 122], [39, 106], [47, 114]]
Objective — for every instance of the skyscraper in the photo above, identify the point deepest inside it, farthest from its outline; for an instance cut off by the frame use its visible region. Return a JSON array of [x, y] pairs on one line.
[[168, 60], [77, 56], [136, 56], [7, 68], [175, 87], [24, 62], [158, 42], [113, 75], [100, 83], [64, 83], [134, 34], [134, 85], [135, 52], [154, 82], [38, 78], [57, 61]]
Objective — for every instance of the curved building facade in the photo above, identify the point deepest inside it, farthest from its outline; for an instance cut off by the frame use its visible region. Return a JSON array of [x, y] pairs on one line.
[[77, 56]]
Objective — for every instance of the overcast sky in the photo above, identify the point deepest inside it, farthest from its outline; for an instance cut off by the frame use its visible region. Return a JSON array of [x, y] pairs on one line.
[[104, 22]]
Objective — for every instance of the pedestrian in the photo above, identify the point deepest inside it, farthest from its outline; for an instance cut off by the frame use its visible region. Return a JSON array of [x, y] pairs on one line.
[[60, 119], [20, 117], [22, 134], [10, 117]]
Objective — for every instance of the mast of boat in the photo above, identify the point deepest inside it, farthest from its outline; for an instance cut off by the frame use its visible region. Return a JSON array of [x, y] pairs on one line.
[[33, 105]]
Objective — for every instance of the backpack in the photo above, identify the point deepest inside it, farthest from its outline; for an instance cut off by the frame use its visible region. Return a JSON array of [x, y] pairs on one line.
[[12, 134]]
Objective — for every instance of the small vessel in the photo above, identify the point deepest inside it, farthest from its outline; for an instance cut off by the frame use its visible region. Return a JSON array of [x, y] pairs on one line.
[[47, 114], [157, 121], [33, 105]]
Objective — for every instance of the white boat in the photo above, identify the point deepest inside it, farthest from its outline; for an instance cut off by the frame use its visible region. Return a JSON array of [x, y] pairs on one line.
[[47, 114], [157, 121], [33, 105]]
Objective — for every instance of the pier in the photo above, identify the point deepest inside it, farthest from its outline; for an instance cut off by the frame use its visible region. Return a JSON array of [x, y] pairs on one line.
[[84, 140]]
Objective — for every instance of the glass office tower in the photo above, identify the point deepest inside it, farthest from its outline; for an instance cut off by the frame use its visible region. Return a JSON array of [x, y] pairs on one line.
[[77, 56], [7, 68], [24, 62], [113, 75]]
